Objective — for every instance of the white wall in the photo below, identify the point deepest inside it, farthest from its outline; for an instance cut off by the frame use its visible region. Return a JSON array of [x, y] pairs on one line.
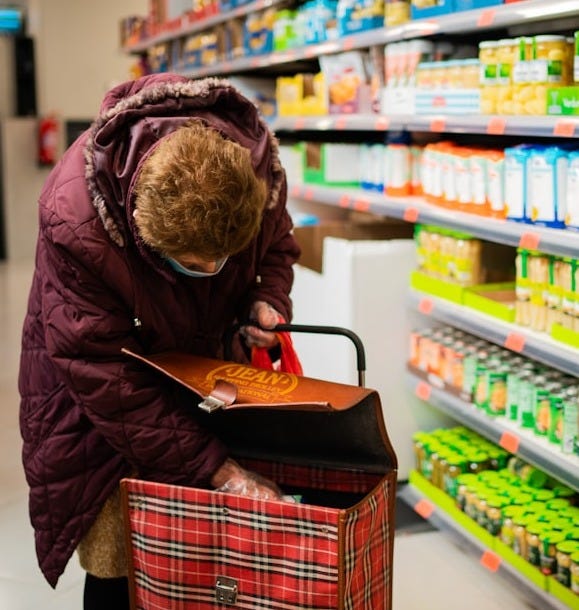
[[77, 59]]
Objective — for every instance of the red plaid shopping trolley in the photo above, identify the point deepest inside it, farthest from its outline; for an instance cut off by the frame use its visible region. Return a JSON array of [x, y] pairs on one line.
[[193, 548]]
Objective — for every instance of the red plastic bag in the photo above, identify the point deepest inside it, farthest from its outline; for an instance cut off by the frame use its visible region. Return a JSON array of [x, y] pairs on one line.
[[289, 361]]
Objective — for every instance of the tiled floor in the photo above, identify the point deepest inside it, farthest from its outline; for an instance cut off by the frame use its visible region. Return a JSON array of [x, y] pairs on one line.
[[430, 572]]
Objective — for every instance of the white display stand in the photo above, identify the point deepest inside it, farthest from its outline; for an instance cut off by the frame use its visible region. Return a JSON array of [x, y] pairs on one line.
[[363, 287]]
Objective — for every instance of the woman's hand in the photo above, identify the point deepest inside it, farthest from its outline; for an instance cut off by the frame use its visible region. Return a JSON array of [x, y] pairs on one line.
[[232, 478], [267, 317]]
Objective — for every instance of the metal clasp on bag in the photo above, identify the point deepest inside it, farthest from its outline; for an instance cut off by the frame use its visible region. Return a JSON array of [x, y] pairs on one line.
[[226, 590], [210, 404]]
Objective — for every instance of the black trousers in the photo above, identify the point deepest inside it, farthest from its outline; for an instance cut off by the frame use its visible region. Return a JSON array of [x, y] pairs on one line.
[[106, 593]]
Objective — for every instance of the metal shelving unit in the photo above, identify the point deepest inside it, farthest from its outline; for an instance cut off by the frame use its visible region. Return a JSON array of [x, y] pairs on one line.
[[534, 345], [500, 16], [442, 521], [531, 126], [416, 209], [501, 431]]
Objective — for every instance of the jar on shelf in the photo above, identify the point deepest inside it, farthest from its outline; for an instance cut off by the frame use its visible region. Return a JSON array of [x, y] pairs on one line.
[[549, 541], [564, 551], [506, 50], [488, 75], [534, 531], [494, 516], [575, 573], [510, 513]]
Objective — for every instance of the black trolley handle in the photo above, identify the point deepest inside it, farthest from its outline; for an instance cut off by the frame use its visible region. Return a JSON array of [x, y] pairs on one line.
[[313, 329]]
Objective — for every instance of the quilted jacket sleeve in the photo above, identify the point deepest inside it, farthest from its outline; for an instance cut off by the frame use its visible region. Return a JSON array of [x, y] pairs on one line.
[[86, 324], [279, 252]]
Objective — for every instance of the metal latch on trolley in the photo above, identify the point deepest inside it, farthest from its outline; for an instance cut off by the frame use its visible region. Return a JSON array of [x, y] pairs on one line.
[[226, 590], [210, 404]]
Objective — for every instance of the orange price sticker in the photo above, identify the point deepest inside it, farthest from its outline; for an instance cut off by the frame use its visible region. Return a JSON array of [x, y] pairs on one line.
[[496, 126], [530, 241], [295, 191], [564, 128], [410, 215], [515, 342], [423, 391], [510, 442], [426, 306], [300, 123], [347, 44], [341, 122], [362, 205], [424, 508], [382, 124], [491, 561], [487, 18], [344, 201], [438, 125], [308, 194]]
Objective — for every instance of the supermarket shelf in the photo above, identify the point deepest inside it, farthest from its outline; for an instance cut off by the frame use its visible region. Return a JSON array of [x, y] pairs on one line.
[[529, 126], [534, 345], [503, 432], [186, 25], [537, 597], [500, 16], [416, 209]]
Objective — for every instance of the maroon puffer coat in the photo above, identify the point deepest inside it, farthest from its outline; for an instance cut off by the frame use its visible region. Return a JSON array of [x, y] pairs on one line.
[[88, 415]]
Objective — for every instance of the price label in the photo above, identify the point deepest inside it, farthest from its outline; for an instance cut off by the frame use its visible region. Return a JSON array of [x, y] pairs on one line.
[[510, 442], [426, 306], [424, 508], [496, 126], [486, 18], [347, 44], [564, 128], [300, 123], [438, 124], [410, 215], [491, 561], [344, 201], [295, 191], [423, 391], [382, 124], [341, 122], [530, 241], [309, 195], [362, 205], [515, 342]]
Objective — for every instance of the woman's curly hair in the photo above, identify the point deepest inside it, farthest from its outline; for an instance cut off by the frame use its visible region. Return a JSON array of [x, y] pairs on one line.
[[197, 193]]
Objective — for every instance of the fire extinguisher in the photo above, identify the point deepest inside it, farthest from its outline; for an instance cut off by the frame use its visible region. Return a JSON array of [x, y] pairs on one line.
[[47, 140]]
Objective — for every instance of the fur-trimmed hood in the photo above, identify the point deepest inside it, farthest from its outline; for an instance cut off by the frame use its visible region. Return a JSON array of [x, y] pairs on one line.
[[135, 115]]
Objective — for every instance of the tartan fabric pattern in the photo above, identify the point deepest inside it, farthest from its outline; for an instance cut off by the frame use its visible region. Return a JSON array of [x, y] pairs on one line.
[[314, 477], [369, 531], [284, 556]]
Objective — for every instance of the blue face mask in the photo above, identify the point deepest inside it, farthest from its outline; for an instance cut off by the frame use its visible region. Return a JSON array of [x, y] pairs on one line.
[[191, 273]]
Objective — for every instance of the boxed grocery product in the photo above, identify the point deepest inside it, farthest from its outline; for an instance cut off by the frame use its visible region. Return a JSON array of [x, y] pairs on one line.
[[396, 12], [451, 101], [349, 89], [467, 5], [332, 164], [258, 32], [302, 95], [311, 238], [420, 9], [572, 207], [359, 15]]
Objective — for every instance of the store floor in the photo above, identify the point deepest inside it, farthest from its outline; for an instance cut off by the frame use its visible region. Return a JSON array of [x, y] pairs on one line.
[[430, 572]]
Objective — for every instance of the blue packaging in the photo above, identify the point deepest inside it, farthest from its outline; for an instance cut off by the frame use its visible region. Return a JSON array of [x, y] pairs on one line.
[[467, 5], [516, 182], [443, 7], [546, 186]]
